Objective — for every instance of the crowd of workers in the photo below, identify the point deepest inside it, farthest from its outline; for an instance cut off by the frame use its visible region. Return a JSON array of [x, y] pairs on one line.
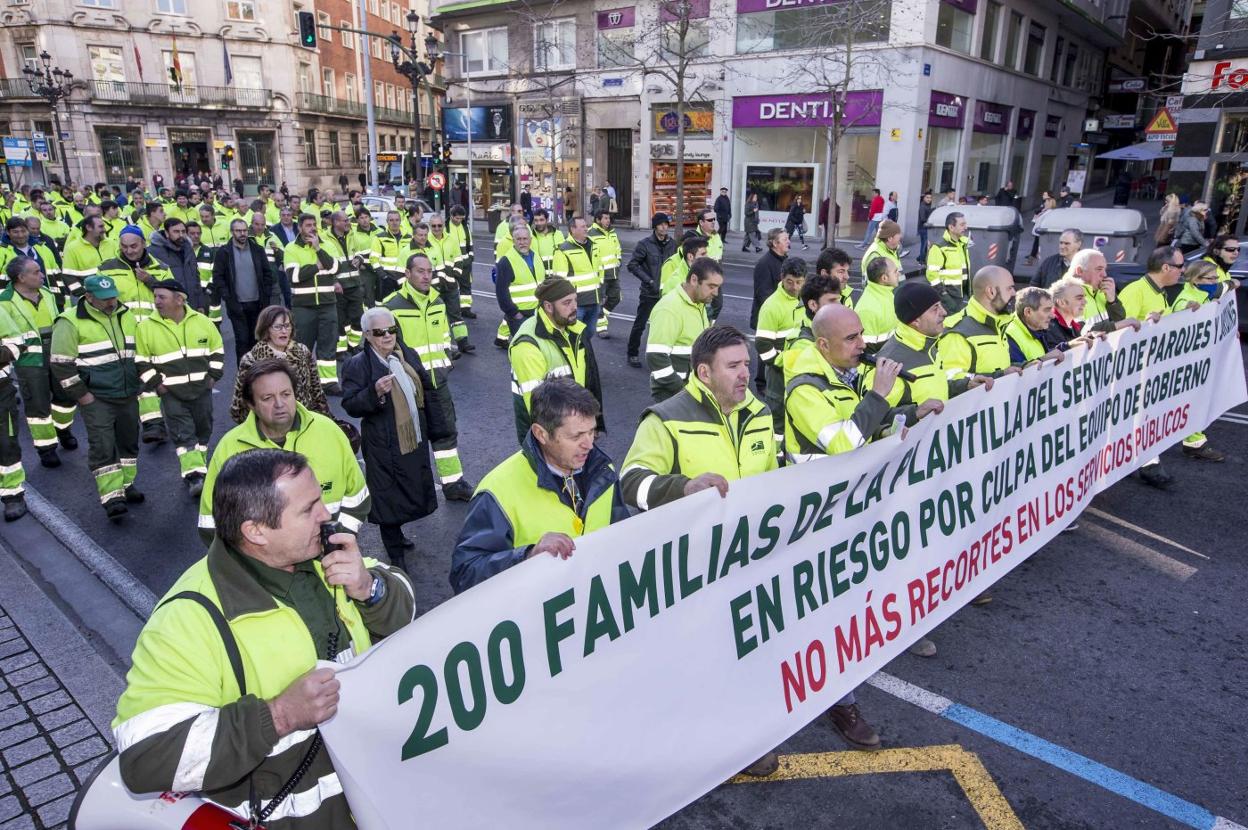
[[114, 312]]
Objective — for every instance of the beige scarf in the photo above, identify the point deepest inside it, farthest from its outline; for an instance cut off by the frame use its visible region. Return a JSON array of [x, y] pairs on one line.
[[405, 420]]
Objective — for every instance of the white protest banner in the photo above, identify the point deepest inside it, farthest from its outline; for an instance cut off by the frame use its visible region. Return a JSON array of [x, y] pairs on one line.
[[673, 649]]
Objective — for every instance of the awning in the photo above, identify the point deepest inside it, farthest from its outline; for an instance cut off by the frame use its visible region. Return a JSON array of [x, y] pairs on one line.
[[1147, 151]]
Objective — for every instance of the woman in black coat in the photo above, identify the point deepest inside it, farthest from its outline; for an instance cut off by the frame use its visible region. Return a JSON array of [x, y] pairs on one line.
[[398, 464]]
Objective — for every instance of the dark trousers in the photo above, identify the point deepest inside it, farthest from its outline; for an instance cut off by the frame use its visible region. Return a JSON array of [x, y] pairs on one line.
[[316, 327], [190, 429], [723, 229], [393, 540], [645, 304], [717, 305], [12, 477], [243, 321], [448, 290], [463, 276], [611, 289], [350, 309], [112, 444]]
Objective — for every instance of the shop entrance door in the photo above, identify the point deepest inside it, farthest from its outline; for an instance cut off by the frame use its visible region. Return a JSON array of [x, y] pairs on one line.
[[620, 170], [255, 156], [120, 152], [190, 152]]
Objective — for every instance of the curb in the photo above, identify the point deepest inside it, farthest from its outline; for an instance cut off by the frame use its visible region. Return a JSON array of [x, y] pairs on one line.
[[137, 596]]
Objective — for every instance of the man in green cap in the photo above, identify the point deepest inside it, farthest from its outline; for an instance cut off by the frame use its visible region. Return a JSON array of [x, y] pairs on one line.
[[551, 344], [93, 360]]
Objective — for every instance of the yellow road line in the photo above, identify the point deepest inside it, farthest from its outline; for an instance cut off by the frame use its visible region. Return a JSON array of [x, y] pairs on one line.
[[968, 771]]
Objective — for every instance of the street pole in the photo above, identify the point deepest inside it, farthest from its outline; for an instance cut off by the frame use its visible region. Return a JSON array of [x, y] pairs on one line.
[[60, 144], [52, 85], [369, 105], [415, 78]]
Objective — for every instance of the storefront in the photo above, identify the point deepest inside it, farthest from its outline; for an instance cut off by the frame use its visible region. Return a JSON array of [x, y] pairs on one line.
[[549, 146], [698, 167], [1020, 155], [989, 132], [944, 142], [782, 164], [119, 149], [490, 128]]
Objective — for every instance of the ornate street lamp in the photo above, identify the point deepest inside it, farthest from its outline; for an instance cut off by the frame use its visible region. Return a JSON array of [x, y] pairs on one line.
[[408, 63], [52, 85]]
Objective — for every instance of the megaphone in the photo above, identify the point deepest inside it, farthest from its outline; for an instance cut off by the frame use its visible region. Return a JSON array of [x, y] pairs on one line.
[[104, 803]]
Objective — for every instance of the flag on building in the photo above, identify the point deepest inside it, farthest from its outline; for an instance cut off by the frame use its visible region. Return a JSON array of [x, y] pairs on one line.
[[175, 71], [229, 71]]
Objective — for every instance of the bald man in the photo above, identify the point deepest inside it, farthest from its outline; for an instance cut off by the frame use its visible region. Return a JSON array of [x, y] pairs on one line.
[[975, 341]]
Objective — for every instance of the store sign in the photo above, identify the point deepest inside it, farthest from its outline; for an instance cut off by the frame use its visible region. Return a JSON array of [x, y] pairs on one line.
[[1026, 124], [1119, 122], [485, 123], [41, 148], [17, 152], [694, 150], [811, 109], [945, 110], [484, 153], [1230, 75], [1052, 126], [750, 6], [696, 121], [1128, 84], [992, 118], [617, 18]]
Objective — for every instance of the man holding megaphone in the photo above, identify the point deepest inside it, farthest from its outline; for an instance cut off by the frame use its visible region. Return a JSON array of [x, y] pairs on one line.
[[225, 694]]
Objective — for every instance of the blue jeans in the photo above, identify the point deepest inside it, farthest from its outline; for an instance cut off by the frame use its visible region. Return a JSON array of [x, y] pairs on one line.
[[588, 314], [923, 244], [869, 236]]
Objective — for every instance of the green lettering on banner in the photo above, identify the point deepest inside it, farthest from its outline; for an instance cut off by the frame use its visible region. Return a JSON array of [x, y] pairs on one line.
[[638, 591], [421, 741], [466, 655], [738, 551], [600, 620], [688, 587], [557, 632], [742, 623], [770, 608], [506, 632], [769, 533]]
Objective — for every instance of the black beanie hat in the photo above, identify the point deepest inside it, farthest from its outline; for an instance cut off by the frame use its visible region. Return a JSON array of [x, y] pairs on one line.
[[912, 298]]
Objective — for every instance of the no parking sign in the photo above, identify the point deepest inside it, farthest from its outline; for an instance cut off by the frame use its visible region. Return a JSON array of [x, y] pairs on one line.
[[1100, 241]]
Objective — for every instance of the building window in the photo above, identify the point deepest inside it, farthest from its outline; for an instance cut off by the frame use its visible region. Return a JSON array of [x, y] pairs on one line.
[[327, 83], [171, 6], [29, 55], [1056, 68], [304, 78], [335, 159], [376, 47], [953, 28], [485, 51], [1012, 37], [372, 6], [385, 9], [347, 37], [348, 81], [186, 64], [240, 9], [615, 48], [988, 43], [309, 148], [355, 148], [99, 4], [379, 94], [1035, 49], [799, 28], [554, 44], [692, 15], [1072, 57], [390, 96], [106, 64], [323, 24], [45, 127]]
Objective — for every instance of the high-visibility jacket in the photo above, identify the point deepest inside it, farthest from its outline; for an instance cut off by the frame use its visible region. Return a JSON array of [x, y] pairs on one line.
[[329, 455], [1029, 346], [714, 244], [448, 250], [579, 265], [545, 245], [43, 255], [879, 248], [186, 214], [1144, 297], [540, 351], [521, 500], [524, 280], [215, 235], [132, 291], [424, 327], [463, 235], [434, 252], [35, 320], [875, 310], [675, 323], [917, 354], [1224, 275], [94, 352], [312, 274], [976, 344], [689, 434], [610, 252], [823, 415], [182, 700], [54, 229], [1096, 310], [1188, 294], [342, 253], [949, 262], [780, 320], [80, 260], [805, 340], [13, 340], [389, 254], [675, 271], [181, 356]]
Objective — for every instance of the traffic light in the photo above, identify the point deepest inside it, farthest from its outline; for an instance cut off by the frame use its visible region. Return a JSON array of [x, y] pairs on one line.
[[446, 151], [227, 155], [307, 30], [437, 152]]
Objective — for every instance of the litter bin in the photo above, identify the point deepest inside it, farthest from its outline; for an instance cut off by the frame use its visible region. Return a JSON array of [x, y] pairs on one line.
[[994, 233], [493, 216], [1118, 233]]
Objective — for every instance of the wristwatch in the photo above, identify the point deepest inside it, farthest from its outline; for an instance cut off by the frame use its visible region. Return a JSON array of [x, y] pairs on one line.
[[376, 593]]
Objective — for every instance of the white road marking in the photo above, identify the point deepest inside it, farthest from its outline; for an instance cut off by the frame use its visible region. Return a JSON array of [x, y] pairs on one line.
[[1145, 555], [1101, 514], [1234, 418]]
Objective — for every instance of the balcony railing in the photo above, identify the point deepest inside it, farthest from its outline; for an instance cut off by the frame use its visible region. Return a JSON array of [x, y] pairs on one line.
[[326, 105], [15, 88], [163, 94]]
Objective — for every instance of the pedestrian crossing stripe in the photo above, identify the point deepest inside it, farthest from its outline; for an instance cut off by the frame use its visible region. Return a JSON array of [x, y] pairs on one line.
[[981, 791]]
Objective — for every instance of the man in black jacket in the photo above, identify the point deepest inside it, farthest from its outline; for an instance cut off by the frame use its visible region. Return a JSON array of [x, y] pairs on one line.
[[171, 247], [1054, 266], [242, 280], [767, 270], [723, 212], [647, 266]]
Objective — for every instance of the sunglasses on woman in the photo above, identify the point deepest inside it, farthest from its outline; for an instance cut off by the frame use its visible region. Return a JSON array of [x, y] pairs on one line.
[[384, 332]]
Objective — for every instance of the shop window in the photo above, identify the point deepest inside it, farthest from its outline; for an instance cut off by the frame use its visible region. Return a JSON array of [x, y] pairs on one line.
[[309, 148], [1234, 137], [778, 187], [240, 10], [953, 28], [696, 43], [801, 28], [988, 41], [554, 44], [335, 159], [484, 51], [1035, 49], [615, 48], [1012, 37], [355, 148]]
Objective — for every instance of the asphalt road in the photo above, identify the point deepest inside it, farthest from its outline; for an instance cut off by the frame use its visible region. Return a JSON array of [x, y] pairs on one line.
[[1114, 643]]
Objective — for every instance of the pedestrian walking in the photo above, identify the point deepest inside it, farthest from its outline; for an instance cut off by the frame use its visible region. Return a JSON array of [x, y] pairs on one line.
[[752, 234], [242, 281], [767, 270], [92, 359], [1168, 220], [607, 248], [677, 320], [314, 299], [386, 386], [1189, 235], [795, 223], [646, 264], [518, 272], [723, 213], [875, 215], [275, 339], [180, 356], [949, 262], [1047, 203], [925, 213], [17, 343], [171, 246]]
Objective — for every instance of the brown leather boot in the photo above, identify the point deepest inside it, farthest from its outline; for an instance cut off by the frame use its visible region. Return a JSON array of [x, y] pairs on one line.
[[763, 767], [848, 721]]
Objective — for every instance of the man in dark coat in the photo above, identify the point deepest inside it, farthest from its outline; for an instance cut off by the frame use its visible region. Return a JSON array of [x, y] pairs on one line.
[[1055, 266], [242, 281], [401, 483], [767, 270], [171, 246], [646, 265], [723, 212]]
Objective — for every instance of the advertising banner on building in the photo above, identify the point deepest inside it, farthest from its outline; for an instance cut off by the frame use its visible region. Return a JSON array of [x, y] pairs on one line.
[[945, 110], [486, 123], [807, 109], [671, 650]]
